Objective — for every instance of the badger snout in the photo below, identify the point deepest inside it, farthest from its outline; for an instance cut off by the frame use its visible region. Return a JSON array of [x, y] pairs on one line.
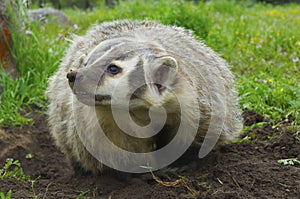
[[74, 76], [71, 77]]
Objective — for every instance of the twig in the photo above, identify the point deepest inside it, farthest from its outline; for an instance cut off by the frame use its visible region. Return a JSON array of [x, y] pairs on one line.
[[193, 191], [285, 185], [252, 184], [220, 181], [235, 182], [176, 182], [167, 184]]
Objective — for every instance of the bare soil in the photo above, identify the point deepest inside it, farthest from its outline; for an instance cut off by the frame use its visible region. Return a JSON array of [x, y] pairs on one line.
[[235, 170]]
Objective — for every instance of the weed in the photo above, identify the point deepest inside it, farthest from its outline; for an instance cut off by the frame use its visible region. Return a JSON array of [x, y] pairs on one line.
[[82, 194], [297, 136], [13, 170], [289, 161], [6, 196]]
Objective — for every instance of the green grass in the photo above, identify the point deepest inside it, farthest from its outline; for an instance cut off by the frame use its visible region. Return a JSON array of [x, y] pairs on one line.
[[6, 196], [261, 43]]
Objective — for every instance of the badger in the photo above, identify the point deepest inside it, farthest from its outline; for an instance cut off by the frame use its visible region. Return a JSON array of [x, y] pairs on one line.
[[128, 91]]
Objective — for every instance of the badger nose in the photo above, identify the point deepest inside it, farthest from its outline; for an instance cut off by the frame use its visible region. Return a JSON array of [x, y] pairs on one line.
[[71, 76]]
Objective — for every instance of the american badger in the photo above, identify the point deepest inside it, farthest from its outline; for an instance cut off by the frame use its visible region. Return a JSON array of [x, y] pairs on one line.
[[124, 76]]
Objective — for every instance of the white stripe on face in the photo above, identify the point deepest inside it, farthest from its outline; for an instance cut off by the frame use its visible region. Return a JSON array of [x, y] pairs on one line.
[[117, 86]]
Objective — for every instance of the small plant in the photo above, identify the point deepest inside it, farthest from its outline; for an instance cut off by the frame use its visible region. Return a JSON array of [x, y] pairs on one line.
[[297, 136], [289, 161], [13, 170], [82, 194], [6, 196]]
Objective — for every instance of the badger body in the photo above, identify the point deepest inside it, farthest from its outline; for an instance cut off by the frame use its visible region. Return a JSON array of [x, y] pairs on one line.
[[137, 65]]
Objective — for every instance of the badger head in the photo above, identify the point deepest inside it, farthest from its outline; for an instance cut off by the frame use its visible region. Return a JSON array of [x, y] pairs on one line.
[[125, 70]]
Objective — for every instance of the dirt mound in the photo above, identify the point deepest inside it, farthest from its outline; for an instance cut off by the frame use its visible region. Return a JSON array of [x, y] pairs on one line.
[[247, 169]]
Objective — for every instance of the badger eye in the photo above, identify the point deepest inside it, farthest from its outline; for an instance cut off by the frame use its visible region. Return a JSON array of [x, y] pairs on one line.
[[113, 69]]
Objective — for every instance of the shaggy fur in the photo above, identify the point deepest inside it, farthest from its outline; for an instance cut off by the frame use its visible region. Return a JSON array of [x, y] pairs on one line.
[[187, 66]]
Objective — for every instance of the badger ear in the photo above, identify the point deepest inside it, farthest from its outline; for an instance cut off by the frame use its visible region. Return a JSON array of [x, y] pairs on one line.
[[164, 74], [170, 62]]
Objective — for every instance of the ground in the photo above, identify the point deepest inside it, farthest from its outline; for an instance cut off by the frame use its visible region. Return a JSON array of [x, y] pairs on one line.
[[235, 170]]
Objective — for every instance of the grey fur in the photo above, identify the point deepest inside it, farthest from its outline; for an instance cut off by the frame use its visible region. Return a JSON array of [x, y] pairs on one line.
[[156, 40]]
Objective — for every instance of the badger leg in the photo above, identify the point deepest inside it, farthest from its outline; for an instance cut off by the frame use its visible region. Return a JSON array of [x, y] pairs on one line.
[[78, 169]]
